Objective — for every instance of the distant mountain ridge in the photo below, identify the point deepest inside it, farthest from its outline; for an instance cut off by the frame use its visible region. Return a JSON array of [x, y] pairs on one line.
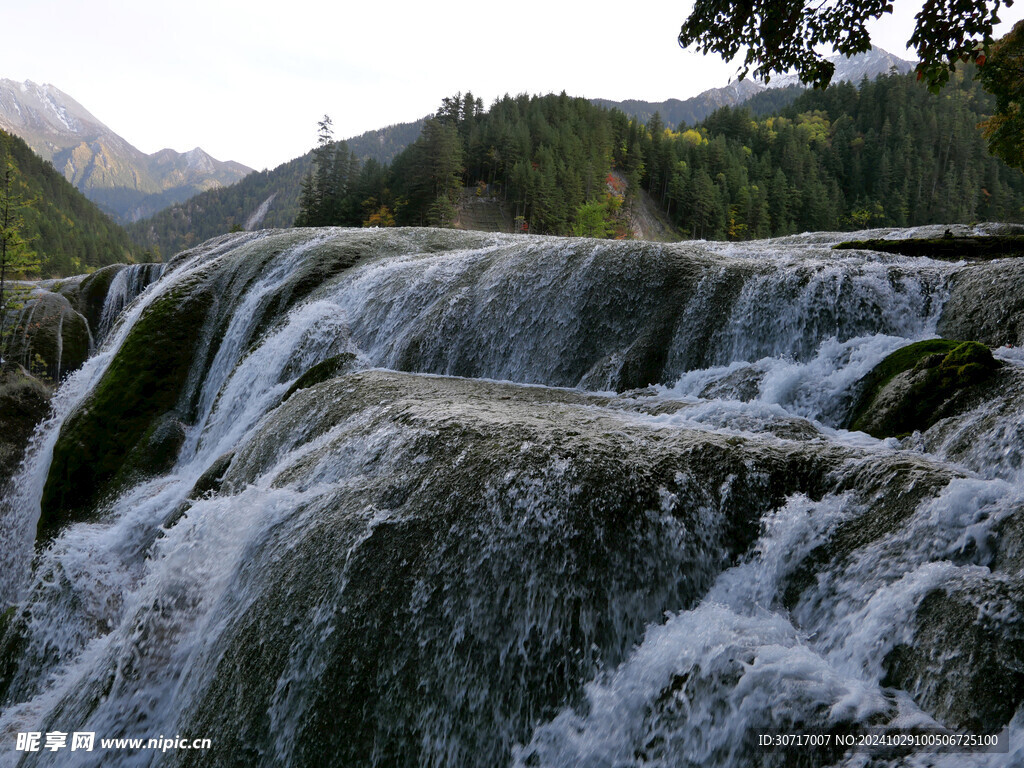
[[689, 111], [673, 112], [869, 64], [262, 199], [124, 181]]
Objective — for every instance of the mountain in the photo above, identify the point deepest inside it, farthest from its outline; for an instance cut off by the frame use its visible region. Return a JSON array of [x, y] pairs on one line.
[[121, 179], [261, 199], [869, 64], [776, 94], [689, 111], [384, 143], [69, 232]]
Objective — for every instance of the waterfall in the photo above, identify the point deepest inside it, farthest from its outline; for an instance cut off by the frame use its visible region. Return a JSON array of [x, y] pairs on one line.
[[128, 283], [259, 214], [433, 498]]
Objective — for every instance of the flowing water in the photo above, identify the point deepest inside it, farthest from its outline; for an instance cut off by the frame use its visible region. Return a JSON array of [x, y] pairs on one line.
[[126, 285], [548, 502]]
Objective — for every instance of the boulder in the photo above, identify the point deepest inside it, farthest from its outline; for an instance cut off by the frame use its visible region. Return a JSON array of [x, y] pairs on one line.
[[47, 336], [917, 385]]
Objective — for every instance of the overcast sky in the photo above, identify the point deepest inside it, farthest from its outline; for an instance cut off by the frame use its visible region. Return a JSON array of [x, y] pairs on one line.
[[248, 80]]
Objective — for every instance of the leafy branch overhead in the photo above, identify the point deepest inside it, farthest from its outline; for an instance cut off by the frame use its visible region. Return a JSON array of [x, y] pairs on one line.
[[781, 35], [1003, 77]]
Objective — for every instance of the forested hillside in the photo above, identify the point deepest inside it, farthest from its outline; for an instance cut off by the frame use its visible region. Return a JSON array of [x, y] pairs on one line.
[[884, 153], [548, 157], [262, 199], [67, 231]]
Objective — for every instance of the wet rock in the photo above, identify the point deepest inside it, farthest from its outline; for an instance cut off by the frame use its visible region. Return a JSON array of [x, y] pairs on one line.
[[742, 384], [24, 402], [966, 663], [469, 500], [986, 303], [213, 478], [12, 644], [893, 488], [47, 336], [330, 368], [156, 452], [92, 293], [103, 294]]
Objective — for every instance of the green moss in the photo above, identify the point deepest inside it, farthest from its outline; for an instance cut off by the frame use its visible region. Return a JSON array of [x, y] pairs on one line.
[[328, 369], [904, 359], [939, 370], [144, 381]]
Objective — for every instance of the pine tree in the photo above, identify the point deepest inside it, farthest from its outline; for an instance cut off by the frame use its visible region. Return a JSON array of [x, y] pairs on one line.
[[315, 187]]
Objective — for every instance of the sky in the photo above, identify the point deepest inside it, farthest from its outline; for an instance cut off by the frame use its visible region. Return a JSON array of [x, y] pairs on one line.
[[248, 80]]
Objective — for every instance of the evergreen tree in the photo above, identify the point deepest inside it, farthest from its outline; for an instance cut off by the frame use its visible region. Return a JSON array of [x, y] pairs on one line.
[[327, 196]]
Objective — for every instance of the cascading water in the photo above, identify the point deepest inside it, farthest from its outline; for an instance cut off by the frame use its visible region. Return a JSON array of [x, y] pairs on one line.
[[127, 284], [358, 517]]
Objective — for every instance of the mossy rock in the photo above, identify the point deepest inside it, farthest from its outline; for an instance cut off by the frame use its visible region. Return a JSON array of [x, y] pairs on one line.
[[24, 402], [48, 336], [917, 385], [144, 381]]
